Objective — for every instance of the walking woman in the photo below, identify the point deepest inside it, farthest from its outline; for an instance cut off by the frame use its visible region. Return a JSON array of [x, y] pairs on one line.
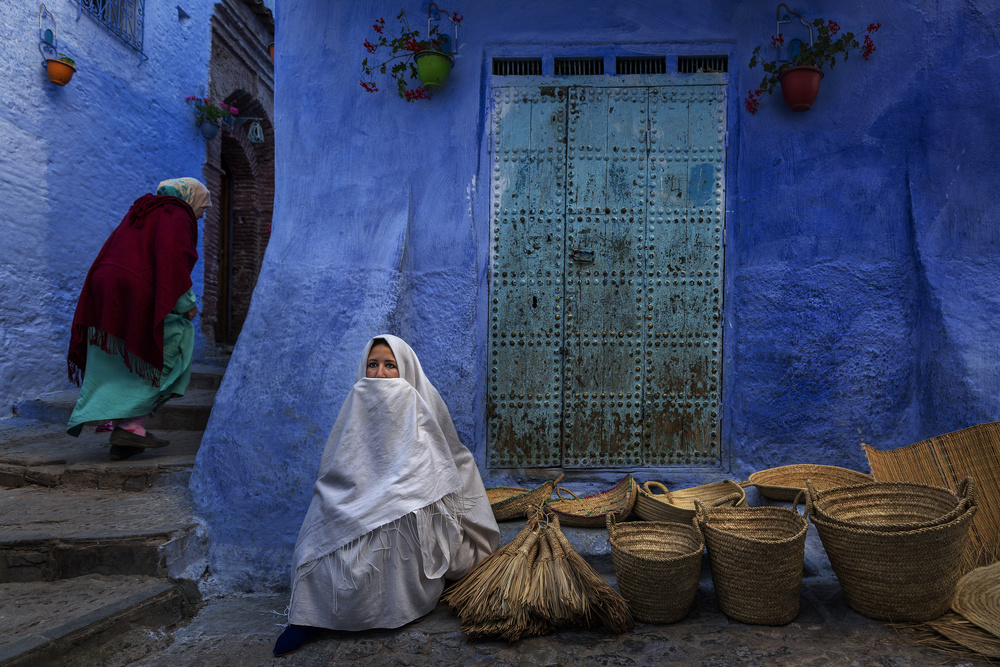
[[132, 339], [399, 506]]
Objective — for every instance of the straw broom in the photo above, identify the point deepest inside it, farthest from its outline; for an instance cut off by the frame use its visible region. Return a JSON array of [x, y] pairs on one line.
[[603, 601], [472, 597]]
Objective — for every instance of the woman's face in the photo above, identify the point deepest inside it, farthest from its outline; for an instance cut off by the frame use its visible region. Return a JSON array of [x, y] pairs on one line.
[[200, 211], [381, 363]]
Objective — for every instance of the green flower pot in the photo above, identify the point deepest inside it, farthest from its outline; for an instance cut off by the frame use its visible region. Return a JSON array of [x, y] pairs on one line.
[[433, 68]]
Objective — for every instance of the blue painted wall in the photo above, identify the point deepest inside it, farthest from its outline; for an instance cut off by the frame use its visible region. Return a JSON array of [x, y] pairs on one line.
[[861, 286], [73, 160]]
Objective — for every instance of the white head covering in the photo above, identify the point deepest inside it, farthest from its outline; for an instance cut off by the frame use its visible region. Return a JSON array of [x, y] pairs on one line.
[[393, 450]]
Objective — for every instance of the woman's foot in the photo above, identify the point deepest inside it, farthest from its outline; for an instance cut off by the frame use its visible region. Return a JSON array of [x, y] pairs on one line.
[[293, 638], [125, 438]]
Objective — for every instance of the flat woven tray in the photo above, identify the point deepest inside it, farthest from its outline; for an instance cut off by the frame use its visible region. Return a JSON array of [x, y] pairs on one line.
[[513, 502], [591, 511], [785, 482]]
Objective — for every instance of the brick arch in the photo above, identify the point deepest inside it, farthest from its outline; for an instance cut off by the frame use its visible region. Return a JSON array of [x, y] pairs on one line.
[[240, 174]]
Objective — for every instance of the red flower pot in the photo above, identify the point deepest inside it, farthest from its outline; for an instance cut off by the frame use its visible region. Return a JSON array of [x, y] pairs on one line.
[[800, 86]]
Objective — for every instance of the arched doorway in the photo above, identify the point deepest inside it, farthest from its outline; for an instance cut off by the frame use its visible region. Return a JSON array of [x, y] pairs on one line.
[[239, 168]]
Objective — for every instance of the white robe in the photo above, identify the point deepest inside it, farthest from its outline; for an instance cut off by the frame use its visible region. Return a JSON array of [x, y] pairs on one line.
[[399, 507]]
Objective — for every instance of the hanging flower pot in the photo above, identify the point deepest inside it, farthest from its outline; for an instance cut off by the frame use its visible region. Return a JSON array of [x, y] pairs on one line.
[[60, 71], [800, 86], [270, 49], [208, 128], [433, 68]]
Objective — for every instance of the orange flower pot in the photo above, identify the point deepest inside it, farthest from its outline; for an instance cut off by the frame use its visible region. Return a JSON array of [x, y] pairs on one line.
[[800, 86], [59, 72]]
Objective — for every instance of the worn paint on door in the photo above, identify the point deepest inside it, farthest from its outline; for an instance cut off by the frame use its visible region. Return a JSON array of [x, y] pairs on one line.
[[606, 280]]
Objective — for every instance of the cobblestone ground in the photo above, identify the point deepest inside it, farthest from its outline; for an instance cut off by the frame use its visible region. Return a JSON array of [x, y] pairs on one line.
[[241, 631]]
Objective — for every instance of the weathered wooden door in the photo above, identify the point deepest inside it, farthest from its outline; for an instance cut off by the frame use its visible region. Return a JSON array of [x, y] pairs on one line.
[[606, 283]]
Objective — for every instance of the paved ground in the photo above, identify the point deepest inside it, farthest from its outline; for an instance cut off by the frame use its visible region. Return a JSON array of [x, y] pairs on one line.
[[241, 632]]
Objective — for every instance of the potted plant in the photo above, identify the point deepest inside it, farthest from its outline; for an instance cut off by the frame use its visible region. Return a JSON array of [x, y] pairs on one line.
[[209, 113], [61, 69], [799, 76], [411, 57]]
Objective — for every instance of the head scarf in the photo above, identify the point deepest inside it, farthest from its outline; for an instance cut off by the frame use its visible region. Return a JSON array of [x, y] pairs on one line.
[[393, 450], [190, 190]]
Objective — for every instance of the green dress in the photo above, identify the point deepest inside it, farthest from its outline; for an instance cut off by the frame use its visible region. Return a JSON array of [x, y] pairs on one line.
[[111, 391]]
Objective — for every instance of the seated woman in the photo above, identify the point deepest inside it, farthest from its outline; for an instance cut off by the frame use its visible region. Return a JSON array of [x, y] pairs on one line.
[[399, 506]]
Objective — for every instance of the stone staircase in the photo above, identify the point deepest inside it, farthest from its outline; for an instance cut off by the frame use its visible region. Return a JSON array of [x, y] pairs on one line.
[[98, 559]]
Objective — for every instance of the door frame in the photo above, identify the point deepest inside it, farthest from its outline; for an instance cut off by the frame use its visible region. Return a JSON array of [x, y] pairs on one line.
[[725, 409]]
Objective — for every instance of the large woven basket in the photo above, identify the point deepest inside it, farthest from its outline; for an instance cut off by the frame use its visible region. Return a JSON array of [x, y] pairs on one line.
[[590, 511], [512, 502], [891, 506], [785, 482], [657, 564], [756, 555], [896, 575], [655, 502]]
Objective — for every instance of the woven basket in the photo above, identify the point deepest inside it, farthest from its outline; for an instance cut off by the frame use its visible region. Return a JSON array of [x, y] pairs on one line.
[[895, 575], [891, 506], [678, 506], [590, 511], [784, 482], [657, 565], [756, 555], [511, 502]]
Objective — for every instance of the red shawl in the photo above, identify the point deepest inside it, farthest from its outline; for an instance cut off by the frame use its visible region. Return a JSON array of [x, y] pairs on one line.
[[137, 278]]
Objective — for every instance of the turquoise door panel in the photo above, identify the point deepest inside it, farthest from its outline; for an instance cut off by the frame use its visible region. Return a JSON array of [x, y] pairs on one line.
[[606, 282], [527, 284]]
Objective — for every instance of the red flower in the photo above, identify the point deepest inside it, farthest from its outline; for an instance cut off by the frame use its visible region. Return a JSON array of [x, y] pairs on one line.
[[369, 86], [753, 101], [833, 26], [412, 45], [416, 94], [873, 27], [869, 47], [369, 46], [378, 26], [456, 17], [775, 41]]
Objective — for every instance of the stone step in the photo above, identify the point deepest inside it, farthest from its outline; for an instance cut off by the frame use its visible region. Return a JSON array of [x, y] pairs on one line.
[[48, 534], [88, 620], [42, 454], [187, 413]]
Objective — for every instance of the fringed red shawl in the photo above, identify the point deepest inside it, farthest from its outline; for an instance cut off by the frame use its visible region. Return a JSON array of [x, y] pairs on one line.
[[142, 270]]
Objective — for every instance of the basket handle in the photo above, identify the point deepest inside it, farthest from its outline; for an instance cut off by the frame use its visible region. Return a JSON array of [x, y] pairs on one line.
[[558, 479], [718, 502], [563, 488], [811, 496], [700, 511], [807, 507], [650, 485], [967, 489], [609, 521], [746, 483]]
